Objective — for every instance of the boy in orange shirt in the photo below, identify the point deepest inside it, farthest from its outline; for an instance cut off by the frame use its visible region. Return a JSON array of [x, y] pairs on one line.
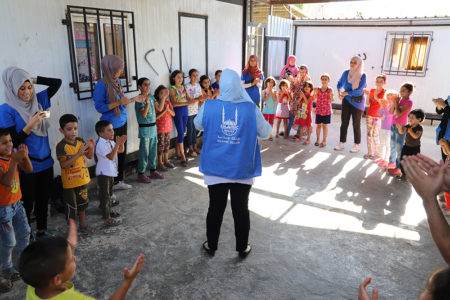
[[13, 219]]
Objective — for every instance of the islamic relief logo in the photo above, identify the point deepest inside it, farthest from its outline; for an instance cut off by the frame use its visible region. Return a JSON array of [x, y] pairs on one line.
[[229, 127]]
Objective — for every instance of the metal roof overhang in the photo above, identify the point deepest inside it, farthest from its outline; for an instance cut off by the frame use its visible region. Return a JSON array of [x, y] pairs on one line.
[[273, 2]]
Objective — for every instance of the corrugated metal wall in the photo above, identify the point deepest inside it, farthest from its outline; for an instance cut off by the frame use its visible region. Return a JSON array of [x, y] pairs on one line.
[[38, 42], [276, 56]]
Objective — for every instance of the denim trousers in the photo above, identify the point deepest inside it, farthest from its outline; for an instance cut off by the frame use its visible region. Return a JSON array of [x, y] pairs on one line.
[[397, 142], [147, 153], [290, 123], [191, 132], [14, 230]]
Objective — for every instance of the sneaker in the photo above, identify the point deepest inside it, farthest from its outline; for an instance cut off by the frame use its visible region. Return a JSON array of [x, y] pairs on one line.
[[355, 148], [395, 172], [42, 235], [339, 147], [122, 186], [391, 166]]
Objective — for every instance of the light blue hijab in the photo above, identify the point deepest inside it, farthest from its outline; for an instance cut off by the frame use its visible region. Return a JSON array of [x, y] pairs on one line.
[[231, 89]]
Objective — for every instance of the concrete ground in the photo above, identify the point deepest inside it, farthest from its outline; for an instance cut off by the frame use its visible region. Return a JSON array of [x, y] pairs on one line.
[[321, 222]]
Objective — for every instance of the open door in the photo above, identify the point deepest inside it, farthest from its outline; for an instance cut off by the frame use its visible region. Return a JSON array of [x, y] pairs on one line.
[[193, 42]]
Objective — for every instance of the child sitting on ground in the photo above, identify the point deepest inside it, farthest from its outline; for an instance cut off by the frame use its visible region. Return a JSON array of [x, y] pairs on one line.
[[47, 265], [216, 85], [385, 131], [282, 113], [374, 99], [164, 114], [269, 101], [146, 118], [303, 117], [324, 97], [13, 220], [413, 133], [106, 169], [71, 152]]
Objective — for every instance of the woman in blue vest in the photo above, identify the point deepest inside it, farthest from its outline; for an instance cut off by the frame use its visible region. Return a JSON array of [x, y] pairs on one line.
[[353, 81], [111, 103], [252, 78], [23, 115], [230, 158]]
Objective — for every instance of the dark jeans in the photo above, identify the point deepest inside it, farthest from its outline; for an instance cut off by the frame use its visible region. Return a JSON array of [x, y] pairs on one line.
[[191, 132], [105, 184], [120, 156], [218, 197], [36, 188], [408, 151], [348, 111]]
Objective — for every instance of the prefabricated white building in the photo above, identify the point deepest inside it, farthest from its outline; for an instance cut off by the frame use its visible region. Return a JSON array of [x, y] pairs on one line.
[[414, 50], [49, 38]]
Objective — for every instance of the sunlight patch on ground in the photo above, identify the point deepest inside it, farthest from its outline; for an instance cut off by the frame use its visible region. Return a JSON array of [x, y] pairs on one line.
[[414, 211], [328, 198], [268, 207], [195, 180], [349, 165], [316, 160], [338, 159], [283, 181]]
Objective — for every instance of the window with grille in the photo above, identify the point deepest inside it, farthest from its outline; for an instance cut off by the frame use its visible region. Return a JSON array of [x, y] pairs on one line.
[[406, 53], [94, 33]]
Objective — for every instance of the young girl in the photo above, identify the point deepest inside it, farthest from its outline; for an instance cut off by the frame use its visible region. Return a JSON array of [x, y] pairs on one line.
[[400, 108], [195, 92], [413, 133], [269, 100], [324, 97], [386, 123], [303, 117], [180, 101], [164, 114], [146, 118], [207, 91], [374, 98], [297, 87], [282, 112]]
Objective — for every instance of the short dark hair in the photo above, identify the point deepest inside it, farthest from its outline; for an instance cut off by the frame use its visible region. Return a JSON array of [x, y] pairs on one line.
[[67, 118], [173, 75], [4, 131], [142, 80], [272, 79], [439, 284], [203, 78], [158, 90], [43, 260], [192, 71], [418, 113], [217, 72], [101, 125], [282, 83], [409, 86]]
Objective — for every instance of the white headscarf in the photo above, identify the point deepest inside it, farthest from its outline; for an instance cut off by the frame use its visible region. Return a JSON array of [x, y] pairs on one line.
[[13, 78], [354, 76]]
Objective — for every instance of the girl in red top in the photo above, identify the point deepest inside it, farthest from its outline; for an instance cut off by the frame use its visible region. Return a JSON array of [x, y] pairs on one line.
[[324, 97], [282, 113], [374, 98], [303, 117], [164, 113]]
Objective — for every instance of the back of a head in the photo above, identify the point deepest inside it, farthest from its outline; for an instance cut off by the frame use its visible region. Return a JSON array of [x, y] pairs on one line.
[[439, 285], [43, 260], [230, 85]]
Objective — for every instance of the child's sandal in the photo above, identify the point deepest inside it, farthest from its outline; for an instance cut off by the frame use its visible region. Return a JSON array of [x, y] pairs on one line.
[[5, 285], [114, 214], [85, 230], [316, 144], [111, 223], [11, 274], [169, 165]]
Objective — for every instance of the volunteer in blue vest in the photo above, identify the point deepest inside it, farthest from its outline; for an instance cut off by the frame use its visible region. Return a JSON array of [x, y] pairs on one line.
[[230, 158], [353, 81], [252, 79], [26, 114], [111, 103]]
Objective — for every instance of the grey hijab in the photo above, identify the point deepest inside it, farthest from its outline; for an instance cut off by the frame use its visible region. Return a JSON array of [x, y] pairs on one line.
[[13, 78]]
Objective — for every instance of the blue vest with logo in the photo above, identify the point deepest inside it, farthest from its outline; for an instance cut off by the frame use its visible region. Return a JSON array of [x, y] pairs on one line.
[[230, 145]]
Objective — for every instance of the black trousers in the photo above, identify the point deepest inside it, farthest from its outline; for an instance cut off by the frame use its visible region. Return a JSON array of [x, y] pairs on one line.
[[36, 189], [348, 111], [218, 197], [406, 150], [120, 156]]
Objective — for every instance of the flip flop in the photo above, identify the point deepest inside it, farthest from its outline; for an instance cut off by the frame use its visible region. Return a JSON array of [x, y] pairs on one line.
[[145, 179], [306, 142], [322, 145], [244, 254], [5, 285], [169, 165], [156, 175], [162, 168], [316, 144], [184, 163], [111, 223]]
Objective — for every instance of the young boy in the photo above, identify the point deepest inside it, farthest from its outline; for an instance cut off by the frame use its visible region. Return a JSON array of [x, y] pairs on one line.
[[215, 85], [71, 152], [48, 265], [413, 133], [106, 169], [442, 137], [13, 219]]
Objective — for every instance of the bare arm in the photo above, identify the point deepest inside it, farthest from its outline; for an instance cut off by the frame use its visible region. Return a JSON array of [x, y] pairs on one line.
[[129, 276], [415, 135], [25, 163], [144, 111], [118, 147], [7, 178], [401, 129]]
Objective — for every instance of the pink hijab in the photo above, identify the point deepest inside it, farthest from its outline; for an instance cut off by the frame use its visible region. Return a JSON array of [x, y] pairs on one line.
[[354, 76], [292, 68], [111, 64]]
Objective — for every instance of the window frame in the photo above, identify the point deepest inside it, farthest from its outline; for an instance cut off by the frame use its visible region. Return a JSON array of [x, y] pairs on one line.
[[401, 70], [101, 17]]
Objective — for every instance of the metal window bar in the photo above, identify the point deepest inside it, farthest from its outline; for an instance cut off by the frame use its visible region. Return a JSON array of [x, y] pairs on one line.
[[401, 55], [84, 12]]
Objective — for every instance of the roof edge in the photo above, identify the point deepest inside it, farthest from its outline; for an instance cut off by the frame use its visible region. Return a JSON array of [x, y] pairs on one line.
[[422, 21]]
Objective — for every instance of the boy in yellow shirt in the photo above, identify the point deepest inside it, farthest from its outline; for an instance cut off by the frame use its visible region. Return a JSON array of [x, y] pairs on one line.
[[71, 152]]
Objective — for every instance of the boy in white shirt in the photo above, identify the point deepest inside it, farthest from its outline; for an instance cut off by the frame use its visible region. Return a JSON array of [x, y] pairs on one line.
[[106, 152]]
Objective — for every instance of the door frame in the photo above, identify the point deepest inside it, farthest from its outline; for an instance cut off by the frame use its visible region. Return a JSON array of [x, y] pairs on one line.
[[195, 16], [267, 39]]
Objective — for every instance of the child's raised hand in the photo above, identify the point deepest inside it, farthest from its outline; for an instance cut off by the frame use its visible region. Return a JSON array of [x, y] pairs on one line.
[[18, 155], [362, 292], [24, 148], [121, 139], [83, 148], [131, 274], [91, 143]]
